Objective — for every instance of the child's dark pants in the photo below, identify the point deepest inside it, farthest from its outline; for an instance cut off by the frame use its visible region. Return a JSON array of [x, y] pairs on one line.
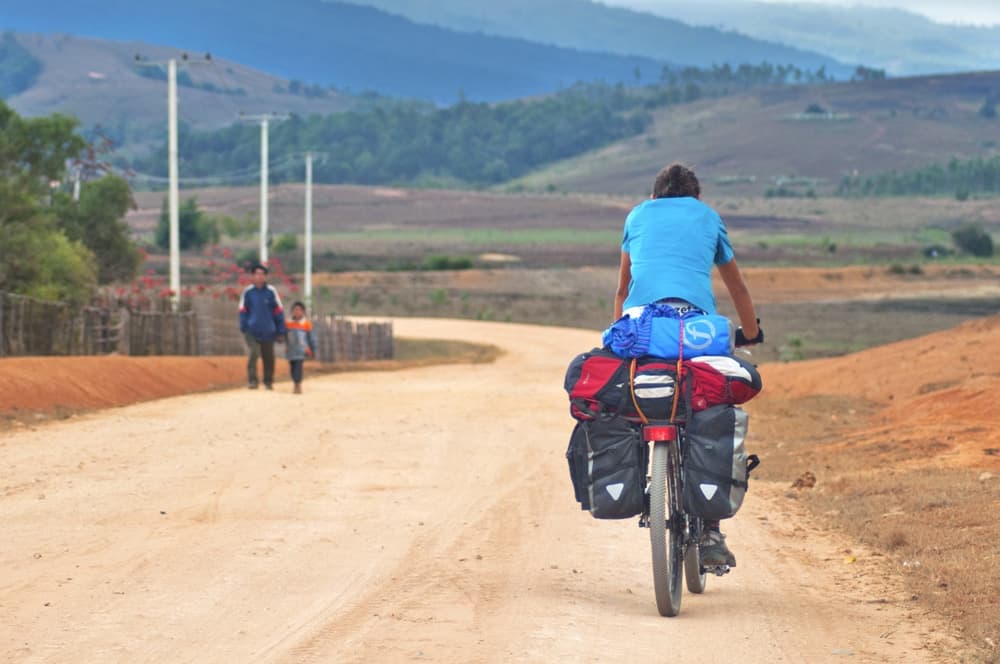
[[296, 369]]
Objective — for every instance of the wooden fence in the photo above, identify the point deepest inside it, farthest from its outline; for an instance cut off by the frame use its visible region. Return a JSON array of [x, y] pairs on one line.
[[204, 327], [337, 339], [29, 326]]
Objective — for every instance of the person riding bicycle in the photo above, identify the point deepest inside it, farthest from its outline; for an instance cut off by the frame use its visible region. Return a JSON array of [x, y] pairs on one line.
[[669, 246]]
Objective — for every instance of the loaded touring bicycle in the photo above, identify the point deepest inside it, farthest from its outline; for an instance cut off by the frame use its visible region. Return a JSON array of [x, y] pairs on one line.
[[662, 438]]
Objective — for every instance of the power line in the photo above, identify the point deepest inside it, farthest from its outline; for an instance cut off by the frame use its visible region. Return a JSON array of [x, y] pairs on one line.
[[287, 163]]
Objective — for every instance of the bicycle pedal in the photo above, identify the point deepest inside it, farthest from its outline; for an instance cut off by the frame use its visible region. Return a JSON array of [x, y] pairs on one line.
[[718, 570]]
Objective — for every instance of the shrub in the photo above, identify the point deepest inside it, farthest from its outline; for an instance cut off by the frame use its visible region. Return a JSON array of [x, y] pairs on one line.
[[445, 262], [286, 242], [195, 228], [973, 239]]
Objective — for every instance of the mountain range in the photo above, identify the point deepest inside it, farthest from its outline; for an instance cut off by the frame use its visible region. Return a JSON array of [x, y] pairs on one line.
[[359, 48], [898, 41], [594, 26]]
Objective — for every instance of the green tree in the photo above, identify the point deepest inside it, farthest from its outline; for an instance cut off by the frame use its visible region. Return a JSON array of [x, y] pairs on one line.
[[195, 228], [973, 238], [98, 222], [36, 256]]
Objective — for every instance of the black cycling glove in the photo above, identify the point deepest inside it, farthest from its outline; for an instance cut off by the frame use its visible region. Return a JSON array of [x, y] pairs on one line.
[[741, 339]]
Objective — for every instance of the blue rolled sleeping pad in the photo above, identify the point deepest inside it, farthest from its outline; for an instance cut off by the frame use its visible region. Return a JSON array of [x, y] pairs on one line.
[[657, 331]]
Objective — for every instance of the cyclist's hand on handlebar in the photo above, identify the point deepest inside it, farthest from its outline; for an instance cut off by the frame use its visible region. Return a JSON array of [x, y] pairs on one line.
[[742, 340]]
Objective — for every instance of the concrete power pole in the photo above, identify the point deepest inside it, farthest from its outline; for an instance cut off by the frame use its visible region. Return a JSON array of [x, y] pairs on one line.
[[263, 190], [309, 229], [174, 193], [265, 123]]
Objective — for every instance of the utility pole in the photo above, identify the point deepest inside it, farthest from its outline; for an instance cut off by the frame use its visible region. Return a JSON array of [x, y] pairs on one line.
[[76, 183], [263, 190], [309, 229], [173, 191], [264, 120]]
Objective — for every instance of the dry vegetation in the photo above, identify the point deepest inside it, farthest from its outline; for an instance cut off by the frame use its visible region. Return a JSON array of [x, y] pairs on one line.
[[900, 447]]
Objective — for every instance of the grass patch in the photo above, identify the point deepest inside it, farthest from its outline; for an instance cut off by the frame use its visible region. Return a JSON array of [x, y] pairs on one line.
[[487, 237], [438, 351]]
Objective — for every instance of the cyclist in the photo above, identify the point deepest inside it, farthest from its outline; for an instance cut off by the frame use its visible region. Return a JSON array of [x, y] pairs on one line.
[[670, 244]]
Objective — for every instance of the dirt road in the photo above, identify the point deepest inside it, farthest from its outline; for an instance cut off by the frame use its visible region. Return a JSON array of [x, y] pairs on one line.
[[423, 515]]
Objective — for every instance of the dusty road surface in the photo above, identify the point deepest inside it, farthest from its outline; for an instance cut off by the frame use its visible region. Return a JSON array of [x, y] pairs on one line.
[[421, 515]]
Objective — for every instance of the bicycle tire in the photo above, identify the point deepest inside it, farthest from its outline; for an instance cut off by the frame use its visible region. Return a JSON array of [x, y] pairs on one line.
[[665, 534], [694, 573]]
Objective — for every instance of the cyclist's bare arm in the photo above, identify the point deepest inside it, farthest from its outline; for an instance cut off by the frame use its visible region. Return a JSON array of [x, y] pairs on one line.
[[740, 294], [624, 279]]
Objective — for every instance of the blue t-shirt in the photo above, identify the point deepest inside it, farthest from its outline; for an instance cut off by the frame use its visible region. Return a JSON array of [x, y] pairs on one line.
[[673, 244]]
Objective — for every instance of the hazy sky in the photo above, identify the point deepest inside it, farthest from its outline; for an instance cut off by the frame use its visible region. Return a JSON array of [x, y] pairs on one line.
[[978, 12]]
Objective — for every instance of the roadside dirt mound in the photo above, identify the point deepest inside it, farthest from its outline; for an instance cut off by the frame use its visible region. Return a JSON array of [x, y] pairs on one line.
[[52, 384], [935, 397]]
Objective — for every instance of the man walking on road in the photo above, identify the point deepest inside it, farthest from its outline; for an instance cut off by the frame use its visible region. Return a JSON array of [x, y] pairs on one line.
[[262, 322]]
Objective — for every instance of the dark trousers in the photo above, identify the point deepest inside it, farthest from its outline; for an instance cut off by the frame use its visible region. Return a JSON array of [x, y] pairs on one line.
[[265, 351], [295, 366]]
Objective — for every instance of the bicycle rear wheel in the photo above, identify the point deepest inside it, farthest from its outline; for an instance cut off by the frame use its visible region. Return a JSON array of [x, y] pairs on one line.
[[666, 534]]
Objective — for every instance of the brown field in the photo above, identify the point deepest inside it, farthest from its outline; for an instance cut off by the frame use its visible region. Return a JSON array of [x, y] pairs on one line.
[[375, 228], [550, 259], [806, 312]]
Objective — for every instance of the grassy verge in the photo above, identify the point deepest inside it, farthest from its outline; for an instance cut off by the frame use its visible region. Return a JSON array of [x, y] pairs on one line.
[[412, 353]]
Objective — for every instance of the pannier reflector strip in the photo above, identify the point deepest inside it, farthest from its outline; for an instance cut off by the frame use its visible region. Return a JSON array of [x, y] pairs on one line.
[[659, 433], [654, 392]]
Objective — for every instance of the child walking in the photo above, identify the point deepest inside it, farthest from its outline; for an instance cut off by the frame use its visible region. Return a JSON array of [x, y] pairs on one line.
[[299, 343]]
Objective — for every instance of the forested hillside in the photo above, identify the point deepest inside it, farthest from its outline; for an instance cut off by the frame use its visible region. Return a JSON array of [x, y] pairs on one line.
[[800, 137], [467, 144]]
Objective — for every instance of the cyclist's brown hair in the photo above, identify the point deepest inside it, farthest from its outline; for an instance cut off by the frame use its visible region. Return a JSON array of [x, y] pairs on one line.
[[676, 181]]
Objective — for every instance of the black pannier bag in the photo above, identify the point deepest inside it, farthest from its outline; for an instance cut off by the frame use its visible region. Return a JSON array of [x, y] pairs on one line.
[[607, 464], [716, 465]]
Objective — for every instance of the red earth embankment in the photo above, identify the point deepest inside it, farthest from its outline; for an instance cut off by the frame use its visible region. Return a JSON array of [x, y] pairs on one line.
[[51, 384], [927, 401]]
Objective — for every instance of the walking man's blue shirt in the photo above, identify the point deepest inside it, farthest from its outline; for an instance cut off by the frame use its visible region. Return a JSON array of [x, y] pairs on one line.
[[672, 245]]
